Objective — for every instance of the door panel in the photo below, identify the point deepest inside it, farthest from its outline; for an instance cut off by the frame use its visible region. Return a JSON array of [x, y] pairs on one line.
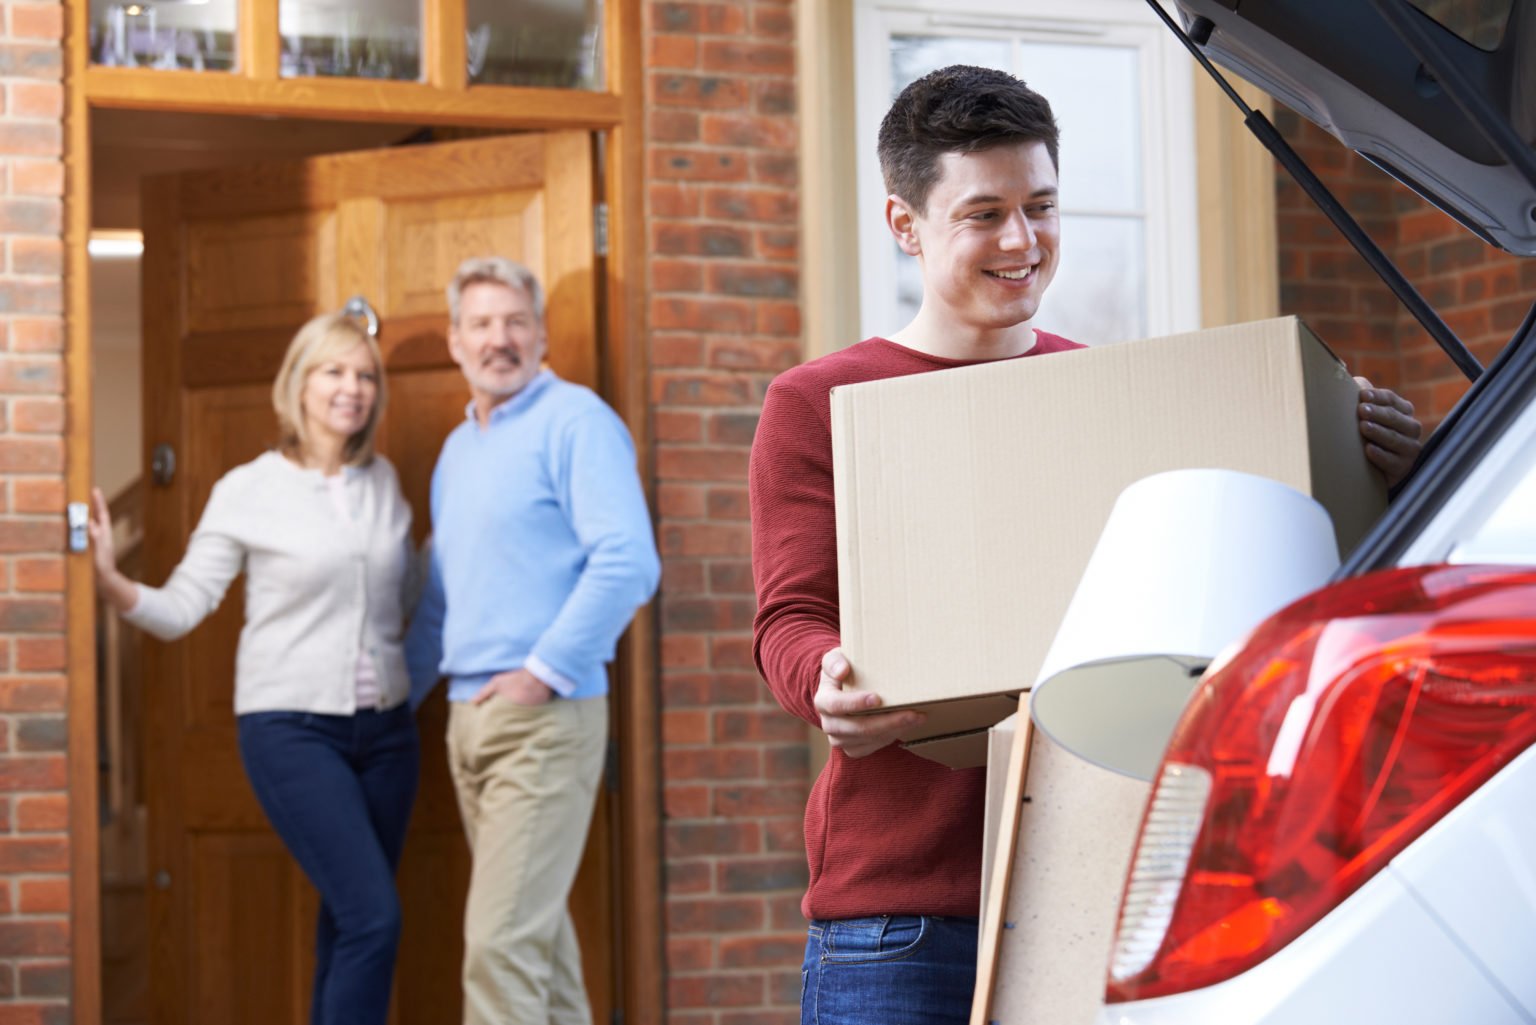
[[428, 235], [416, 421], [294, 251], [235, 260], [248, 911], [237, 425]]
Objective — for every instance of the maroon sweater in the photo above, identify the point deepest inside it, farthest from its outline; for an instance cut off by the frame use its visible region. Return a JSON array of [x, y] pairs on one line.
[[891, 833]]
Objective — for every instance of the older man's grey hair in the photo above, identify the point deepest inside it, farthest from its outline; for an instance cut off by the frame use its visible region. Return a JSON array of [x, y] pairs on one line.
[[495, 270]]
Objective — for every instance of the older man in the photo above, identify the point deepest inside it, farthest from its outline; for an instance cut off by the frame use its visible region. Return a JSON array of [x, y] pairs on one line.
[[542, 551]]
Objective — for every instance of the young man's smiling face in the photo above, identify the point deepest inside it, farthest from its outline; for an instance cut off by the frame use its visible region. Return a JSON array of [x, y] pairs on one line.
[[987, 240]]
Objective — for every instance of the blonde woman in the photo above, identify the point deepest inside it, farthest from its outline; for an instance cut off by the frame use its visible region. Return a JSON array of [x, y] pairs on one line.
[[327, 738]]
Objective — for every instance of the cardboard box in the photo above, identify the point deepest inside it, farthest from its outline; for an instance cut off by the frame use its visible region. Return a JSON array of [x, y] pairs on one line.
[[969, 500], [999, 751], [1062, 878]]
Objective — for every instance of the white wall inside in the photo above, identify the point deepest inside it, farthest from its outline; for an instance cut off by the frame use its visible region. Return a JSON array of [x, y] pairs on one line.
[[116, 392]]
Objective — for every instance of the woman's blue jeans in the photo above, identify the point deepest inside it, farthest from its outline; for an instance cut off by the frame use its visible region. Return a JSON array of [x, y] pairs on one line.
[[891, 970], [338, 789]]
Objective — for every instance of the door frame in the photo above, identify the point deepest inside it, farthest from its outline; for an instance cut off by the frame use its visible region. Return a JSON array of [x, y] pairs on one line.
[[614, 116]]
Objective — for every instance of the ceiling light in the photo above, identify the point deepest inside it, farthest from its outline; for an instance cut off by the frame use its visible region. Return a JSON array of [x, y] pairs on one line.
[[115, 245]]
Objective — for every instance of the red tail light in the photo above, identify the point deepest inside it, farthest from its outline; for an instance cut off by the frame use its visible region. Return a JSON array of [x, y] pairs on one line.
[[1348, 724]]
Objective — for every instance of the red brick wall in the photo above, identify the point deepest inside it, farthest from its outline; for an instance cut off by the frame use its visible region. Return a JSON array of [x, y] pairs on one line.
[[1481, 292], [34, 843], [725, 317]]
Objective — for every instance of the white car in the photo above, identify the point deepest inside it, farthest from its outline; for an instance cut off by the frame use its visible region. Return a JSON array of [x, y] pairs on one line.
[[1343, 829]]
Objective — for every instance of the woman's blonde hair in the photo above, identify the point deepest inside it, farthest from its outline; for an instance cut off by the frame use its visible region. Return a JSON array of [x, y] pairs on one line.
[[324, 337]]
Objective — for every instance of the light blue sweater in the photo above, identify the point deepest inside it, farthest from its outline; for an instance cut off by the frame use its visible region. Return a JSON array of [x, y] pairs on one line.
[[542, 548]]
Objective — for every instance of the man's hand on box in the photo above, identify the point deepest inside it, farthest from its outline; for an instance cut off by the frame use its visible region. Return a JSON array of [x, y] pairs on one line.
[[1390, 431], [856, 735]]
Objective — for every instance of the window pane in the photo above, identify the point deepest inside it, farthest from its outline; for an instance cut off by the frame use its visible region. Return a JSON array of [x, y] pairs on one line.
[[351, 38], [1099, 293], [556, 44], [912, 57], [163, 35], [1097, 296], [1479, 22], [1095, 93]]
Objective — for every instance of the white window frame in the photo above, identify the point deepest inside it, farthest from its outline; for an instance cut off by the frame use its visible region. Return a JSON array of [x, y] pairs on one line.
[[1171, 236]]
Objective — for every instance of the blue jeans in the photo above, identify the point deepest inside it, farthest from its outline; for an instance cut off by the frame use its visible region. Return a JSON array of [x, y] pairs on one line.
[[891, 970], [338, 789]]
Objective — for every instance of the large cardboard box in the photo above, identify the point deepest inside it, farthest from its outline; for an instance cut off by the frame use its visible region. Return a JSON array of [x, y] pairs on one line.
[[969, 500]]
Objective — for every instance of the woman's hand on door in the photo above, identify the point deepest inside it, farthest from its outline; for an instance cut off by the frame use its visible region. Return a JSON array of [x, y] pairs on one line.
[[118, 589]]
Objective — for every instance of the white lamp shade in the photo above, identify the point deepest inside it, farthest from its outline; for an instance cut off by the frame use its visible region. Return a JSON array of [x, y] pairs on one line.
[[1189, 562]]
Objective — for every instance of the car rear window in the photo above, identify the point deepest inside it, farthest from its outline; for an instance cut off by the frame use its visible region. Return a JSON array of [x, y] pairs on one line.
[[1479, 22]]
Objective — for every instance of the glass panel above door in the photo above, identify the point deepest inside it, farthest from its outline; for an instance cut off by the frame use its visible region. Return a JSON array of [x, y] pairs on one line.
[[350, 38], [193, 34], [556, 44]]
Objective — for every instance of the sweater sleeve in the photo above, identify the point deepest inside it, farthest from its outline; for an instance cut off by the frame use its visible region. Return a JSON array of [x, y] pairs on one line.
[[794, 547], [424, 636], [197, 585], [601, 495], [413, 559]]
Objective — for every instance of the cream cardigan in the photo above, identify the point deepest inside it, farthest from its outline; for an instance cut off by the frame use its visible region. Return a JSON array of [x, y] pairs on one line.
[[319, 591]]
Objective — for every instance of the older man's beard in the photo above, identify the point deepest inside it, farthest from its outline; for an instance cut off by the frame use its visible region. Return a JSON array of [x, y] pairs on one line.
[[505, 389]]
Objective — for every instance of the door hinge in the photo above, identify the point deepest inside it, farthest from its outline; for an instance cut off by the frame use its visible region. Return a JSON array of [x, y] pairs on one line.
[[611, 767], [600, 229]]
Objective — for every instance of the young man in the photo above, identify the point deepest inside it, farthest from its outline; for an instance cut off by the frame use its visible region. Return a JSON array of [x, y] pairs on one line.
[[893, 840], [542, 551]]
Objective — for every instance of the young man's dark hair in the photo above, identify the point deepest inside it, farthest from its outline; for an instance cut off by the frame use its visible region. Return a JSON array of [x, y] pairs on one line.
[[958, 109]]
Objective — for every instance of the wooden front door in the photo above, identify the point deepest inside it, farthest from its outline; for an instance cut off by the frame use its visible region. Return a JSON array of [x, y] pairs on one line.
[[234, 262]]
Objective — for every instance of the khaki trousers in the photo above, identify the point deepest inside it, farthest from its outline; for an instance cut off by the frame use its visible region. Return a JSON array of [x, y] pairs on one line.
[[526, 778]]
